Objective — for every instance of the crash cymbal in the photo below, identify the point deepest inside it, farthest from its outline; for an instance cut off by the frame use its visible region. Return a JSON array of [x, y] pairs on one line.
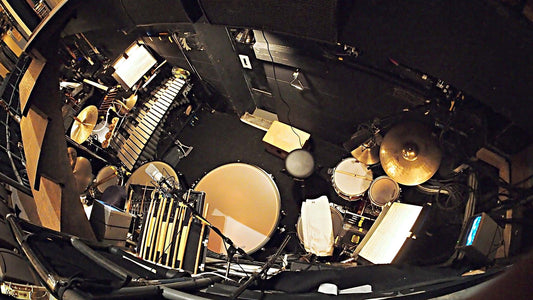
[[84, 124], [409, 153], [368, 152], [83, 172]]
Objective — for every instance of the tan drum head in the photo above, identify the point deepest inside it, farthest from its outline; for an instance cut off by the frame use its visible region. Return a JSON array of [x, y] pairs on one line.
[[107, 177], [140, 177], [336, 219], [244, 203], [383, 190], [351, 178]]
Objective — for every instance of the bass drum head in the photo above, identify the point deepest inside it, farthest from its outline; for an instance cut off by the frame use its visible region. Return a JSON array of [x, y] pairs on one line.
[[351, 179], [383, 190], [336, 219], [243, 202]]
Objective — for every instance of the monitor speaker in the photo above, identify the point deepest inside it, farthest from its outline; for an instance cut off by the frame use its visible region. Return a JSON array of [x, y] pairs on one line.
[[314, 19]]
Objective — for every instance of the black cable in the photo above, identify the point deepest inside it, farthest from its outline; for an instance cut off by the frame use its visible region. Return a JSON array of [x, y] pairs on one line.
[[279, 90]]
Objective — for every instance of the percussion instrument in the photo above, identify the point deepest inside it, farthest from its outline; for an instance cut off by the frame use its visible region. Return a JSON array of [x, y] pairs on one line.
[[351, 179], [244, 203], [368, 152], [83, 172], [106, 177], [84, 124], [140, 177], [137, 138], [383, 190], [300, 164], [409, 153], [336, 220]]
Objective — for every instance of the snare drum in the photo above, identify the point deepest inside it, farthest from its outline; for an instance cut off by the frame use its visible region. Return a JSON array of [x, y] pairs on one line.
[[107, 176], [243, 202], [383, 190], [351, 179], [336, 219]]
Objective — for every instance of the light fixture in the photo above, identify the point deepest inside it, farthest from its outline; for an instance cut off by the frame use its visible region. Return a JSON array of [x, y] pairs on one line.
[[295, 82]]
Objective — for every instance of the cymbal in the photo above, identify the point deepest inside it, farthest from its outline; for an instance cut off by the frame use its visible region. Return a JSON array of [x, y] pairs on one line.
[[84, 124], [409, 153], [83, 173], [368, 152]]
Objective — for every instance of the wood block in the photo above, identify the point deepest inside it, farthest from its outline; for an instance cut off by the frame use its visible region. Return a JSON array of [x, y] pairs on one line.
[[281, 139]]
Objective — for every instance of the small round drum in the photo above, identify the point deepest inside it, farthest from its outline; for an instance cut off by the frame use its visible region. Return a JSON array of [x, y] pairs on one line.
[[243, 202], [351, 179], [106, 177], [383, 190], [336, 219]]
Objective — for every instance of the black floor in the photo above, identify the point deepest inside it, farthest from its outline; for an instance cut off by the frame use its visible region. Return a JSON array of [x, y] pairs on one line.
[[220, 138]]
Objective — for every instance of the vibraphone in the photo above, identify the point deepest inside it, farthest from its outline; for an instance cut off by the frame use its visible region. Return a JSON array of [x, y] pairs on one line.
[[171, 235], [137, 138]]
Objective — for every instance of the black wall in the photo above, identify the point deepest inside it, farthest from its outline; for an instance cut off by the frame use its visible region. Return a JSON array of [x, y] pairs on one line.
[[478, 46]]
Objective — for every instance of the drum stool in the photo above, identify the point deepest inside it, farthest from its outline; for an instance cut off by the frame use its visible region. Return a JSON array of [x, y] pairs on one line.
[[300, 165]]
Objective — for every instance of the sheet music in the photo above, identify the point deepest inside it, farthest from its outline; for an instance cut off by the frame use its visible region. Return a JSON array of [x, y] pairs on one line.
[[391, 233]]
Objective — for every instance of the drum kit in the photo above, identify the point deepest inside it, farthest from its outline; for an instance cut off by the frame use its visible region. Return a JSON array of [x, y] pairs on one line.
[[249, 213]]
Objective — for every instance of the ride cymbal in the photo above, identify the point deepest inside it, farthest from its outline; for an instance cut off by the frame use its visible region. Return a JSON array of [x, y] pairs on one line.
[[84, 124], [409, 153]]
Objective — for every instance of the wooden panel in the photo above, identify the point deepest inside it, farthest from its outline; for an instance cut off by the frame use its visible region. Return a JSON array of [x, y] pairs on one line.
[[33, 128], [48, 203], [29, 79]]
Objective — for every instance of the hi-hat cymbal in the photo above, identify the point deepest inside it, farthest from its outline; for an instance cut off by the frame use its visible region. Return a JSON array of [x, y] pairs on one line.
[[368, 152], [84, 124], [409, 153]]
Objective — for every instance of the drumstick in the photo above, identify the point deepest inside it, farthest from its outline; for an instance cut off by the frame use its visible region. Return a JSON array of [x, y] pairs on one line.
[[352, 174], [159, 246], [153, 223], [146, 228], [183, 245], [128, 204], [157, 229], [156, 232], [170, 233], [164, 231], [180, 223], [200, 240], [142, 200]]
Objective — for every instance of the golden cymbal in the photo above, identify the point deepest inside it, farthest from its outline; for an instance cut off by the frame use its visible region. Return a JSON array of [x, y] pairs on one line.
[[409, 153], [84, 124], [83, 172], [368, 152]]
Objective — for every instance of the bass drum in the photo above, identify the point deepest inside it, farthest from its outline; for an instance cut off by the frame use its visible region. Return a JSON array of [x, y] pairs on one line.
[[244, 203], [383, 190], [351, 179]]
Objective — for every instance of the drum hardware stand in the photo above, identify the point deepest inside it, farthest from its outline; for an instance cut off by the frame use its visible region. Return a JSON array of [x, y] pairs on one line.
[[263, 270], [185, 150]]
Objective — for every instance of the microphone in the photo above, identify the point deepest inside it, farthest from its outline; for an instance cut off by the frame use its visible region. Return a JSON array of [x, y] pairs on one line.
[[165, 184]]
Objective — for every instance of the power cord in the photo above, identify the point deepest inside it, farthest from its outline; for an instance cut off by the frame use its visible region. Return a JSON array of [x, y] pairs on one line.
[[279, 90]]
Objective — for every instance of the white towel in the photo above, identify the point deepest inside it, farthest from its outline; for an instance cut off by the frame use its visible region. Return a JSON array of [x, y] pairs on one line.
[[317, 226]]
